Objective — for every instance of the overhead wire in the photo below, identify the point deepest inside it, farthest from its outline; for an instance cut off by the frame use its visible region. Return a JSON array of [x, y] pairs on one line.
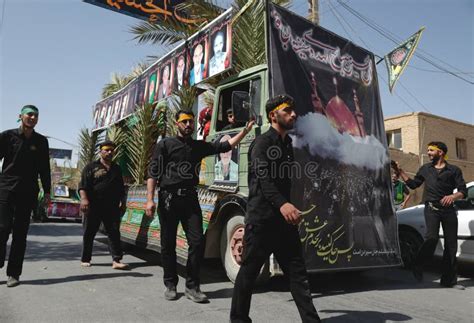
[[340, 17], [389, 35]]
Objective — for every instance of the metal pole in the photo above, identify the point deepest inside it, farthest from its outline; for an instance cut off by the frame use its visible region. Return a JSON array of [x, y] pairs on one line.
[[313, 11]]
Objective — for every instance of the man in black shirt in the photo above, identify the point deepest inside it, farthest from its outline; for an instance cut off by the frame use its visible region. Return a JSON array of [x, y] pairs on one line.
[[25, 154], [271, 220], [175, 166], [102, 200], [440, 180]]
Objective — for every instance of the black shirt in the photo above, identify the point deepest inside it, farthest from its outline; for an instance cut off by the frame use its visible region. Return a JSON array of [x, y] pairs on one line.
[[270, 159], [438, 183], [23, 159], [176, 161], [102, 185]]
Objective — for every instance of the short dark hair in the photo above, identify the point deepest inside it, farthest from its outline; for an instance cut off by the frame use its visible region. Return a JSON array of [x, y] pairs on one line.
[[180, 112], [229, 111], [107, 143], [441, 145], [272, 103]]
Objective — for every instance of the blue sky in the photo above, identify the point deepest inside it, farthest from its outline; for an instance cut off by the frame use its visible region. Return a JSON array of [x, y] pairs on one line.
[[58, 54]]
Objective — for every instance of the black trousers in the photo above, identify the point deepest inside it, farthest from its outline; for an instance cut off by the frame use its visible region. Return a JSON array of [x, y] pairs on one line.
[[110, 217], [184, 209], [261, 240], [449, 221], [15, 212]]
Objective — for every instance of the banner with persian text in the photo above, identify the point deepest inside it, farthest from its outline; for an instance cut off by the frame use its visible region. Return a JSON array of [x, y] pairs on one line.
[[204, 55], [150, 10], [343, 181]]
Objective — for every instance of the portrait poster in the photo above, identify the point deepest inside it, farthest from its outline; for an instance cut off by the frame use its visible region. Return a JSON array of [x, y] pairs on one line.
[[187, 64], [199, 58], [226, 167], [181, 68], [220, 46], [165, 87], [343, 183]]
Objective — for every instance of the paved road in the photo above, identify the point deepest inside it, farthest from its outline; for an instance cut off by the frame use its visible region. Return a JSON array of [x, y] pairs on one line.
[[56, 289]]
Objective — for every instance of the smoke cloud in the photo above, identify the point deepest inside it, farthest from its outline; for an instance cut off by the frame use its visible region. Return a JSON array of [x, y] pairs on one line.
[[314, 131]]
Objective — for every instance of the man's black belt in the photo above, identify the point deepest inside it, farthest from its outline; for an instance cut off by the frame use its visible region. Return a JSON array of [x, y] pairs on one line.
[[437, 206], [179, 191]]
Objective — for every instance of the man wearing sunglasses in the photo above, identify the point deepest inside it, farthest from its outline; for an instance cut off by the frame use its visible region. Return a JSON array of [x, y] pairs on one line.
[[25, 155], [103, 200], [175, 166]]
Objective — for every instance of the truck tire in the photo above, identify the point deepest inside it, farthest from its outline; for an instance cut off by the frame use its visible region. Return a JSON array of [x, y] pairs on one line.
[[232, 249], [410, 243]]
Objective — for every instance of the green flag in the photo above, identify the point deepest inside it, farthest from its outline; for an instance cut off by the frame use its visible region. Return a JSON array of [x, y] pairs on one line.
[[398, 58]]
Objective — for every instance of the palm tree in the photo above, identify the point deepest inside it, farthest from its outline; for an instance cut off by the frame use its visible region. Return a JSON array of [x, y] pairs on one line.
[[118, 133], [88, 146], [117, 82], [169, 32], [145, 133]]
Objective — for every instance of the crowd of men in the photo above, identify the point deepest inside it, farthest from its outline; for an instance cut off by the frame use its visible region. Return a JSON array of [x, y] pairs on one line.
[[271, 219]]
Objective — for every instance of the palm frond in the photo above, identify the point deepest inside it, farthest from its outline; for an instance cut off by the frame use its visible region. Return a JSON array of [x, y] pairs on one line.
[[166, 33], [142, 136], [88, 146], [169, 31], [118, 134], [203, 11], [117, 82]]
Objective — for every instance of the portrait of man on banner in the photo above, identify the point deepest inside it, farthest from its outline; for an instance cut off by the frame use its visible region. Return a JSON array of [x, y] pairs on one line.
[[226, 168], [165, 88], [96, 110], [221, 49], [124, 108], [199, 58], [151, 87], [180, 78]]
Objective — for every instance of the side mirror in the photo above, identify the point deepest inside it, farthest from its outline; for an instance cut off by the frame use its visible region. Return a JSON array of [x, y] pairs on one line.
[[241, 106]]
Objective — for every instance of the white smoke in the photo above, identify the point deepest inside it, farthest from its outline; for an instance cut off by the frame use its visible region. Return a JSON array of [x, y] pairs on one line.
[[314, 131]]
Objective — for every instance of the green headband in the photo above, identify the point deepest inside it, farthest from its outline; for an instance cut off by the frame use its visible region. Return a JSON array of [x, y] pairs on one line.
[[29, 109]]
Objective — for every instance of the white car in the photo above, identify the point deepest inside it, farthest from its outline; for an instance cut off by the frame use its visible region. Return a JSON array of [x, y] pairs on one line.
[[412, 229]]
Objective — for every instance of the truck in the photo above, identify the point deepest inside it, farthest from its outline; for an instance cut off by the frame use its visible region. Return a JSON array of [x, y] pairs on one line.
[[342, 184]]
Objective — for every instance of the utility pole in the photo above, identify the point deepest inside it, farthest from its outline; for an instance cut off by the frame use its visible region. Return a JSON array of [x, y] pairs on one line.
[[313, 11]]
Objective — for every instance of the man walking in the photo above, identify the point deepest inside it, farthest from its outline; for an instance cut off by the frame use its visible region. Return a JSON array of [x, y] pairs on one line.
[[440, 180], [102, 201], [25, 155], [175, 166], [271, 220]]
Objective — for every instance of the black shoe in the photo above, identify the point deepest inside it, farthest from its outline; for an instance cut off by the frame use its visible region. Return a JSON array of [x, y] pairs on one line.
[[455, 286], [417, 273], [13, 281], [170, 293], [196, 295]]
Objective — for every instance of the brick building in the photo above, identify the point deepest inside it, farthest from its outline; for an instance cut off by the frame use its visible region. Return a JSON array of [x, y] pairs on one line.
[[409, 134]]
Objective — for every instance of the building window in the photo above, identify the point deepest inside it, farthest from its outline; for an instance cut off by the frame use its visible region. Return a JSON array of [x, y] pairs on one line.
[[461, 148], [394, 138]]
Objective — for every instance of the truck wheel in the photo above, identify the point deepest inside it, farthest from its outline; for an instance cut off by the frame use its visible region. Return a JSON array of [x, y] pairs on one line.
[[232, 238], [410, 243]]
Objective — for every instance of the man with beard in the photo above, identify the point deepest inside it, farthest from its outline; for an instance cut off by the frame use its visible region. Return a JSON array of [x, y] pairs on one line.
[[25, 155], [102, 200], [175, 166], [271, 220], [440, 180]]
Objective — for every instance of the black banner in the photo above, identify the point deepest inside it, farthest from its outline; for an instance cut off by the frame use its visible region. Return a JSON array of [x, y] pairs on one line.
[[343, 184], [204, 55], [150, 10]]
